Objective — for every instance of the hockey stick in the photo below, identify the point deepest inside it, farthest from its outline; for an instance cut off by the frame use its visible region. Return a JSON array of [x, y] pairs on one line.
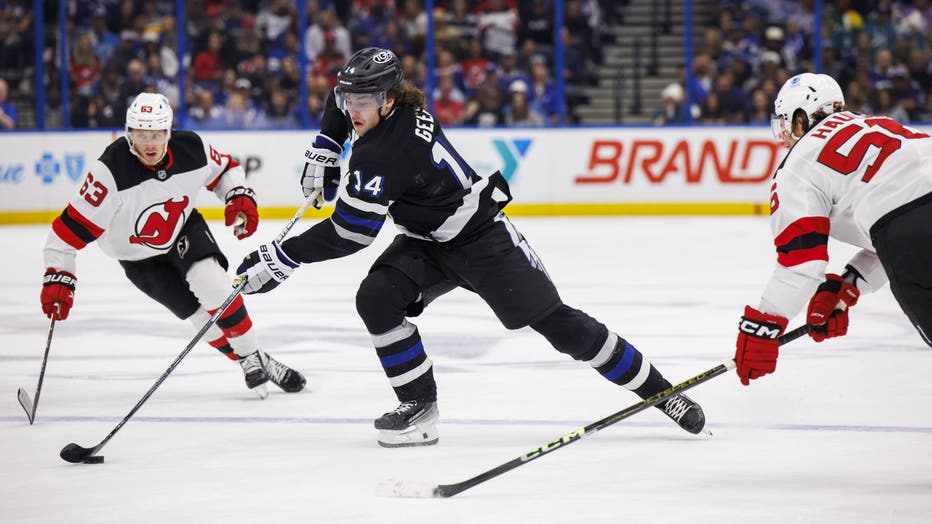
[[21, 394], [74, 453], [404, 488]]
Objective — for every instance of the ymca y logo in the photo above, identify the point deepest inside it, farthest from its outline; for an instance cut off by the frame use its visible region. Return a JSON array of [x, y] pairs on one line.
[[158, 224], [511, 152]]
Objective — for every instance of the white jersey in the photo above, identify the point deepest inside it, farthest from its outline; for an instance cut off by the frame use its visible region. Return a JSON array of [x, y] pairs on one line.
[[840, 178], [135, 211]]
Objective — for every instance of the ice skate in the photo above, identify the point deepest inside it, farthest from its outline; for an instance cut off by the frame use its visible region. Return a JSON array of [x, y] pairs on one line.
[[413, 423], [256, 376], [685, 412], [281, 375]]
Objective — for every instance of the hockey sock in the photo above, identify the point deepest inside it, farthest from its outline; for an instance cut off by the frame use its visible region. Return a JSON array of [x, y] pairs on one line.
[[621, 363], [214, 334], [406, 364]]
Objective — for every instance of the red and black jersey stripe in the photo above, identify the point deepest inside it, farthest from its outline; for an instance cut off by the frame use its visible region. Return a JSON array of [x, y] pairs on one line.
[[75, 229], [802, 241]]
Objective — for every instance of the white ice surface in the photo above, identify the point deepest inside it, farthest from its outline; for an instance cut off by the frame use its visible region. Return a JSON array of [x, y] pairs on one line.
[[842, 433]]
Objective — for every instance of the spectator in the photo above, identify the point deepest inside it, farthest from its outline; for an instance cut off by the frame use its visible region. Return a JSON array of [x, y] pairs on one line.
[[274, 18], [134, 83], [518, 113], [447, 65], [414, 23], [449, 101], [485, 110], [314, 37], [238, 113], [280, 113], [537, 26], [543, 94], [84, 69], [905, 93], [498, 25], [105, 40], [393, 37], [465, 22], [204, 114], [884, 104], [447, 36], [673, 108], [732, 100], [107, 108], [475, 65], [760, 107], [207, 62], [7, 109], [162, 82], [712, 110], [330, 59], [508, 71], [128, 50]]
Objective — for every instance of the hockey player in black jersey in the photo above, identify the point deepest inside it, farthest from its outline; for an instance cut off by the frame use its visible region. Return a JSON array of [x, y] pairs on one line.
[[453, 234], [137, 202]]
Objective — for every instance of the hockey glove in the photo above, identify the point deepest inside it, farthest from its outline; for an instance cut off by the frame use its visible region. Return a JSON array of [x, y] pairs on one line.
[[240, 211], [828, 307], [322, 170], [265, 268], [758, 344], [57, 288]]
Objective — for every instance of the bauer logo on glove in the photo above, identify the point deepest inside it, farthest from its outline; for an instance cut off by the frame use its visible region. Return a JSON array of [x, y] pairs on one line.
[[321, 159]]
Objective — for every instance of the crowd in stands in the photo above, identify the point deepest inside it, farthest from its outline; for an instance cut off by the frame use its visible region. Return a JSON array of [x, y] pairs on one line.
[[879, 51], [494, 59], [243, 66]]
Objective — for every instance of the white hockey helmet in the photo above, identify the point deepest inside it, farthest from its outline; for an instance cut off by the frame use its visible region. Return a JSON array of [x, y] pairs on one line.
[[149, 111], [813, 93]]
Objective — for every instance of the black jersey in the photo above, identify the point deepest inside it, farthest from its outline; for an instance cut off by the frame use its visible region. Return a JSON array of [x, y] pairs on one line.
[[404, 168]]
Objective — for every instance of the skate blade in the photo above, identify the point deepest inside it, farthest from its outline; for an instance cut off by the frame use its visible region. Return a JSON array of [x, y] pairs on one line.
[[262, 391], [418, 435]]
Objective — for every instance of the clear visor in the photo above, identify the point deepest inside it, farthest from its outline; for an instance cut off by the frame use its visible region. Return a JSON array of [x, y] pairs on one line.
[[358, 101], [777, 125], [148, 136]]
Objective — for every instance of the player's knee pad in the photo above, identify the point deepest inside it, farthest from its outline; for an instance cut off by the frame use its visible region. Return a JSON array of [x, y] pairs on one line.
[[572, 332], [209, 283], [383, 297]]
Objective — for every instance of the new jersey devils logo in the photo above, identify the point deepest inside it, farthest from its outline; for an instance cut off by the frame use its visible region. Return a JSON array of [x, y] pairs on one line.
[[158, 224]]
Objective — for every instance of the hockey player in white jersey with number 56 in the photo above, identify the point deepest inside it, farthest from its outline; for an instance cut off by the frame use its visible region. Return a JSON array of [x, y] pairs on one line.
[[860, 179], [137, 202]]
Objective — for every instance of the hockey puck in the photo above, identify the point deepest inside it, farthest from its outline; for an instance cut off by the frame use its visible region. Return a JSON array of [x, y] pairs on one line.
[[94, 459]]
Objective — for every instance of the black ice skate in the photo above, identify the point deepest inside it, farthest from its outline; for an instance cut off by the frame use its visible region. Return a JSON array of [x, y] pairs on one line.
[[289, 380], [413, 423], [685, 412], [256, 376]]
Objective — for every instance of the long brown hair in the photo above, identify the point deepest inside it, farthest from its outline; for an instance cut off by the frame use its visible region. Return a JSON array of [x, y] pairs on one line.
[[405, 94]]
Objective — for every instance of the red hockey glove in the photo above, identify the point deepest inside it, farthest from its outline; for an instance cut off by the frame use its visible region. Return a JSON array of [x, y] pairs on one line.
[[828, 307], [758, 344], [57, 288], [241, 202]]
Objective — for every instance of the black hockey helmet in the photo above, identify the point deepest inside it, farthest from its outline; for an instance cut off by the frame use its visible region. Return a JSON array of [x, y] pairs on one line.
[[370, 70]]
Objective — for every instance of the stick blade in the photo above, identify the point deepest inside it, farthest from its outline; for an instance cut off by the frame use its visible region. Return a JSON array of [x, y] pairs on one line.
[[407, 488], [76, 454], [26, 402]]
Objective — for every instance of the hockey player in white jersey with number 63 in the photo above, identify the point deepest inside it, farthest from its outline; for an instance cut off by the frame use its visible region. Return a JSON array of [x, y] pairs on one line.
[[137, 202], [860, 179]]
